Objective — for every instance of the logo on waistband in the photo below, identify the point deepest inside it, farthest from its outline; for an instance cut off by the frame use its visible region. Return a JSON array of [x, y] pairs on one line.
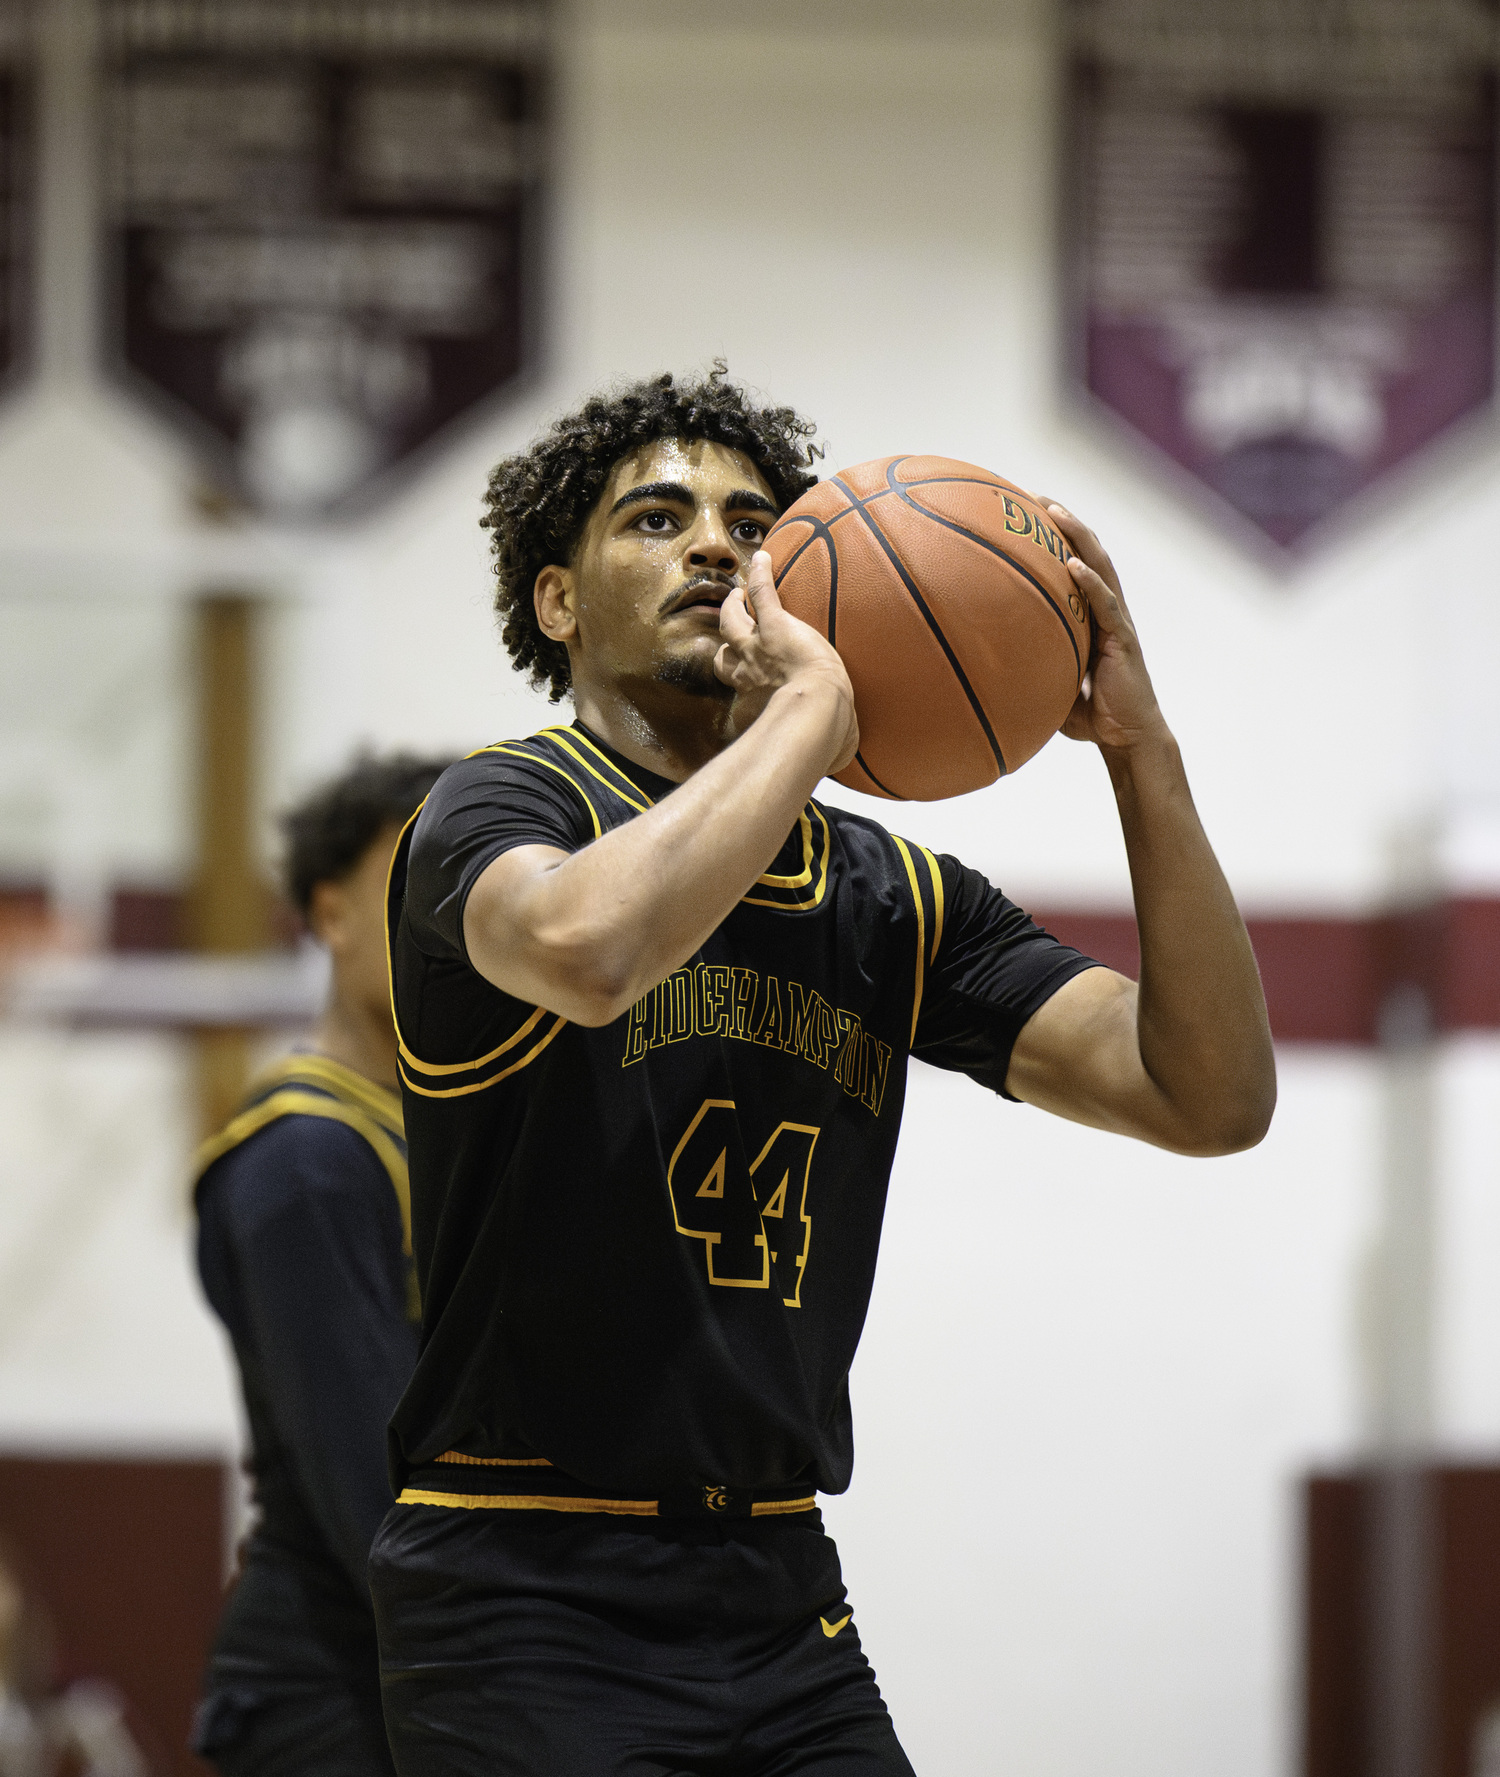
[[715, 1499]]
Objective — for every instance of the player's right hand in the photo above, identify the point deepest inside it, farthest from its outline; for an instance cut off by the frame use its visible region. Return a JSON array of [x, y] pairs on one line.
[[766, 648]]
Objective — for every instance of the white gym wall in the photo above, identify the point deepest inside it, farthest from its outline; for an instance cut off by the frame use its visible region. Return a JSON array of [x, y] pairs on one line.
[[1092, 1373]]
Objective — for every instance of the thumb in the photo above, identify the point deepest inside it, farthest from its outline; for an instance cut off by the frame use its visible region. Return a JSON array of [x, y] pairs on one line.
[[763, 595]]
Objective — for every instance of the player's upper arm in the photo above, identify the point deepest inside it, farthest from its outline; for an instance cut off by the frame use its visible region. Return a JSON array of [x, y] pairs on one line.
[[1079, 1056], [482, 882], [525, 937]]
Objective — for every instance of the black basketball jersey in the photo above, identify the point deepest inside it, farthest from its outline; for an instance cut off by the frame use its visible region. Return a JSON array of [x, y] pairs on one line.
[[304, 1243], [646, 1250]]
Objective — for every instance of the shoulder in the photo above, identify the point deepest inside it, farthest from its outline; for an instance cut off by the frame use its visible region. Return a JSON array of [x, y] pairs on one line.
[[514, 793], [293, 1163], [858, 834], [910, 873], [541, 770]]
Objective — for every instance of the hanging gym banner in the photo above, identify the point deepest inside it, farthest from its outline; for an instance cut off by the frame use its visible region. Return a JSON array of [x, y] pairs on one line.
[[322, 219], [1283, 249], [17, 186]]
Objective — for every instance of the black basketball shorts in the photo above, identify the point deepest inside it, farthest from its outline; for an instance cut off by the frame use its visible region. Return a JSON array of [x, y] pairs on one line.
[[558, 1644]]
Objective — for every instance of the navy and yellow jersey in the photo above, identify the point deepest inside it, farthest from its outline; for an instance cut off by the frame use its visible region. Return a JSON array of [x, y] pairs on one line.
[[304, 1253], [646, 1250]]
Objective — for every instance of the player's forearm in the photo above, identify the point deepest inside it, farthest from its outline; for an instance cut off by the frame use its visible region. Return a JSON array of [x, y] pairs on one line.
[[1201, 1017], [588, 936]]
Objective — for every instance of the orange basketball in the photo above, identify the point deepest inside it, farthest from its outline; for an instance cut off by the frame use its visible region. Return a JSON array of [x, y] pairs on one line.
[[946, 592]]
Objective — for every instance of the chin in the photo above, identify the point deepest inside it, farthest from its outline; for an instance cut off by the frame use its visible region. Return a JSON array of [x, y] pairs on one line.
[[694, 674]]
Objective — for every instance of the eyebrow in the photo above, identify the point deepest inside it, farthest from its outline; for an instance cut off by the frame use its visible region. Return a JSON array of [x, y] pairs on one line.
[[743, 499]]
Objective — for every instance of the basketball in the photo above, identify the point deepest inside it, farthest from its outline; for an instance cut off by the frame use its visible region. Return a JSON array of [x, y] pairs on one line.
[[945, 590]]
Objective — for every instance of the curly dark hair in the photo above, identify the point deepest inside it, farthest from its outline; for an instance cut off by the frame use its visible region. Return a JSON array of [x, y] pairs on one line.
[[330, 830], [538, 502]]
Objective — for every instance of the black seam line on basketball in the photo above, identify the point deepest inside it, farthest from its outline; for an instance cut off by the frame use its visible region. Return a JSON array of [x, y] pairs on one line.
[[820, 529], [931, 622], [858, 502], [899, 489], [859, 760]]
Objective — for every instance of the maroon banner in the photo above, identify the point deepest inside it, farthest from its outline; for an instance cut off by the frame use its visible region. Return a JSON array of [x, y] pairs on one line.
[[322, 225], [1283, 237]]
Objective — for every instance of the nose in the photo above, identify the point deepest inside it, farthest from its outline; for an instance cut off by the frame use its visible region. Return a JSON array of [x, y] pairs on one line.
[[708, 544]]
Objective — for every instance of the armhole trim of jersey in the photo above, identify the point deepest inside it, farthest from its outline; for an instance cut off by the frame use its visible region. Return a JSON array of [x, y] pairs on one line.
[[804, 875], [390, 962], [438, 1069], [409, 1063], [789, 885], [288, 1102], [564, 738], [405, 1057], [916, 895]]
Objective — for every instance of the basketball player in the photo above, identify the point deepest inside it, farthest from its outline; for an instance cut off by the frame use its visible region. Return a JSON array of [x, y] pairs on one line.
[[654, 1008], [304, 1250]]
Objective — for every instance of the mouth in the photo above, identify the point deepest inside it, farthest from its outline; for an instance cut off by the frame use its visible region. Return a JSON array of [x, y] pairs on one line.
[[702, 595]]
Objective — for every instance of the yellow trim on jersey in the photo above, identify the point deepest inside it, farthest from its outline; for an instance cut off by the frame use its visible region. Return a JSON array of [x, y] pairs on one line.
[[552, 765], [526, 1502], [937, 902], [464, 1067], [287, 1102], [390, 871], [916, 895], [804, 876], [438, 1069], [495, 1079], [382, 1102], [564, 738], [771, 881]]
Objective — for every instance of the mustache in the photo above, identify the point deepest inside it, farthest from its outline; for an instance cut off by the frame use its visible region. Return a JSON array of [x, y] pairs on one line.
[[719, 582]]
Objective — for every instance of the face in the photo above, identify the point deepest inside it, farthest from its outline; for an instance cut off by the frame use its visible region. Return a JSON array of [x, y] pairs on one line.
[[349, 917], [672, 532]]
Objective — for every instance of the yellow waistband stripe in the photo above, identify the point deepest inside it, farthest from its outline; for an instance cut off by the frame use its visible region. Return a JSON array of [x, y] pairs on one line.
[[562, 1502], [526, 1502], [494, 1461]]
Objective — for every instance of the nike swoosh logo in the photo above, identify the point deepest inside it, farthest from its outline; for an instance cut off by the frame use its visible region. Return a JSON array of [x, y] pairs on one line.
[[832, 1629]]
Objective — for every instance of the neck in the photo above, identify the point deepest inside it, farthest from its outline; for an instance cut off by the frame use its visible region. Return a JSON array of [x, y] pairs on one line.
[[670, 729], [354, 1034]]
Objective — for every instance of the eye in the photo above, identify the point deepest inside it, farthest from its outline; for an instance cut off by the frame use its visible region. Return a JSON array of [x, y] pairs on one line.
[[655, 524], [749, 530]]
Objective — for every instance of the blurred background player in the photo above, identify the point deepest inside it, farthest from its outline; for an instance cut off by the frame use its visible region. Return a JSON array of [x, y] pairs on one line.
[[304, 1249]]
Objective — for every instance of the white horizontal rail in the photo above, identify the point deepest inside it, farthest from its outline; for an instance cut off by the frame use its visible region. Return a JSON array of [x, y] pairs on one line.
[[176, 989]]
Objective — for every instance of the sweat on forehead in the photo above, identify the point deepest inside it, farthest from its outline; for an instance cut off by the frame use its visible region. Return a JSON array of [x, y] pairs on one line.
[[687, 470]]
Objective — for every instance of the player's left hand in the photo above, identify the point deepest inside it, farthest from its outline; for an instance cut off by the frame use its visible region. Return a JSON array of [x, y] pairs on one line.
[[1117, 705]]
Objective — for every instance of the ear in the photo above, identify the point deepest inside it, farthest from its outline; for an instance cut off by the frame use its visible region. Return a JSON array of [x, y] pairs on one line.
[[327, 913], [553, 597]]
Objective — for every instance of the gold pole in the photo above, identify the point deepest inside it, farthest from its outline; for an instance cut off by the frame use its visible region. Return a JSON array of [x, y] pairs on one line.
[[228, 905]]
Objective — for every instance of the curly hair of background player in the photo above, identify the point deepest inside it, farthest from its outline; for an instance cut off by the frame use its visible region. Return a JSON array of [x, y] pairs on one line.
[[327, 833], [538, 502]]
